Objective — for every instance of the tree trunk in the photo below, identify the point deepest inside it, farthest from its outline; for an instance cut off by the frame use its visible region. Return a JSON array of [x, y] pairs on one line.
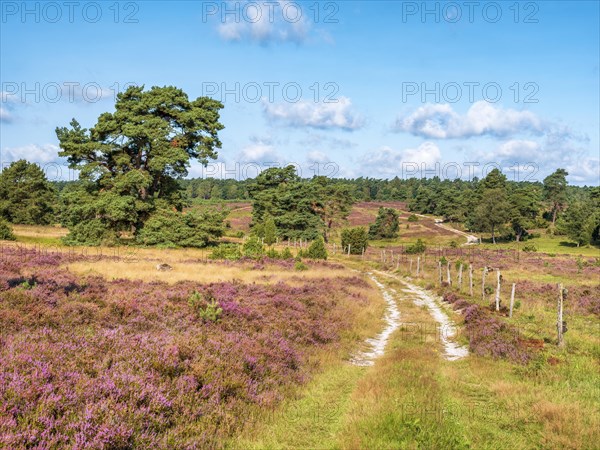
[[493, 237], [483, 283]]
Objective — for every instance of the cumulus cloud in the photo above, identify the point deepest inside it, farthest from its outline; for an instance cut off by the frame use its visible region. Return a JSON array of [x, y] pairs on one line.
[[316, 156], [440, 121], [388, 162], [279, 21], [315, 115], [41, 154]]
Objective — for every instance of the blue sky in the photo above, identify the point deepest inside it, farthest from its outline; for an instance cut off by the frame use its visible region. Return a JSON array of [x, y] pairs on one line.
[[348, 88]]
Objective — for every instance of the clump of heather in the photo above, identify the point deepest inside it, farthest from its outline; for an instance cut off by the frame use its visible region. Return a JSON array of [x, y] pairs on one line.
[[88, 363]]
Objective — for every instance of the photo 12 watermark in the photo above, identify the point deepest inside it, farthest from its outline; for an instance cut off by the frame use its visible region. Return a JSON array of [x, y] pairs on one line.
[[271, 91], [471, 91], [270, 11], [69, 12], [54, 92], [470, 12]]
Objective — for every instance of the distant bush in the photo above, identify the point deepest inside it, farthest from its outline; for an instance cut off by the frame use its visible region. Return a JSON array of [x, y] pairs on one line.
[[226, 251], [317, 249], [356, 238], [205, 306], [286, 253], [453, 244], [417, 247], [386, 224], [530, 248], [272, 253], [253, 248], [413, 218], [6, 231], [300, 266]]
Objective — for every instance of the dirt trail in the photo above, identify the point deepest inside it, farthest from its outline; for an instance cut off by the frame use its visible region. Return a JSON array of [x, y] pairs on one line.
[[470, 238], [447, 328], [420, 297], [377, 344]]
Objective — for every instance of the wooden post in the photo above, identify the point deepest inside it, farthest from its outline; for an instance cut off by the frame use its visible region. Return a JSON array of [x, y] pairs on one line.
[[398, 264], [440, 271], [498, 290], [418, 265], [512, 299], [471, 280], [363, 253], [448, 279], [483, 283], [559, 319], [349, 249], [460, 277], [410, 269]]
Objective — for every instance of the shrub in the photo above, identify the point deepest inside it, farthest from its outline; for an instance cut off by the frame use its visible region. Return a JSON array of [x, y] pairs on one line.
[[253, 248], [270, 231], [272, 253], [205, 306], [317, 249], [453, 244], [530, 248], [167, 228], [417, 247], [356, 238], [90, 232], [413, 218], [386, 224], [300, 266], [226, 251], [286, 253], [6, 231]]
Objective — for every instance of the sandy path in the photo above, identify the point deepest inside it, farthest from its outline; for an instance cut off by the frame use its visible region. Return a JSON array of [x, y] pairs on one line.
[[446, 327]]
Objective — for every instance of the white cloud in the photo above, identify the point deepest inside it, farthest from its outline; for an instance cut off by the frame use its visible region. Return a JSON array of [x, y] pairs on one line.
[[5, 115], [440, 121], [519, 149], [315, 115], [41, 154], [388, 162], [316, 156], [263, 22]]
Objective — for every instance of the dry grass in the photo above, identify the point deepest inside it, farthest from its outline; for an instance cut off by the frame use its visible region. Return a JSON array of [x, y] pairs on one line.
[[201, 272]]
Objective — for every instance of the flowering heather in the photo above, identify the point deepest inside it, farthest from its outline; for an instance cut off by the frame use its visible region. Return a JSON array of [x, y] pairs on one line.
[[88, 363], [489, 335]]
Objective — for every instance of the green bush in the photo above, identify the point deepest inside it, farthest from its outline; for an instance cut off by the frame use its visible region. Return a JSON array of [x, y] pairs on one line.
[[6, 231], [317, 249], [386, 224], [205, 306], [417, 247], [300, 266], [453, 244], [226, 251], [357, 238], [413, 218], [253, 248], [530, 248], [91, 232], [167, 228], [272, 253], [286, 253]]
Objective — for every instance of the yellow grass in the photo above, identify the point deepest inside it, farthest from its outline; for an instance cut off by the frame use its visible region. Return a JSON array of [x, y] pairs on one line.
[[201, 272]]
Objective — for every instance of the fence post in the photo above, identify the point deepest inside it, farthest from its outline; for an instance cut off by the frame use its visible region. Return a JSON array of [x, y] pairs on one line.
[[512, 299]]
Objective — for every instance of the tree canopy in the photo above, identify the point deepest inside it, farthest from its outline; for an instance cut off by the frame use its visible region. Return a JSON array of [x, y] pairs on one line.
[[26, 196], [130, 161]]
